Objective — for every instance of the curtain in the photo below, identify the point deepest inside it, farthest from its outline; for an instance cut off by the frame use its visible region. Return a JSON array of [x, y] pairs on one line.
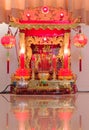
[[79, 8]]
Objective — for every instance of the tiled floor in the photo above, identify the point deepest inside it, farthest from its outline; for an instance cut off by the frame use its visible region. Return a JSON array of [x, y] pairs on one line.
[[44, 112]]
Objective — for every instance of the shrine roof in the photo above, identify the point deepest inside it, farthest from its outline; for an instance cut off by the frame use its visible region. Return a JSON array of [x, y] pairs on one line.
[[45, 17]]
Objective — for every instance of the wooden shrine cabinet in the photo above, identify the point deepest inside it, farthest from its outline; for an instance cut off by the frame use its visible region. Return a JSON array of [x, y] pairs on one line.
[[44, 33]]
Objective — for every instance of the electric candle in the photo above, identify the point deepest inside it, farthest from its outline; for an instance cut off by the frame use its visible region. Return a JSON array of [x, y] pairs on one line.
[[22, 58], [66, 58]]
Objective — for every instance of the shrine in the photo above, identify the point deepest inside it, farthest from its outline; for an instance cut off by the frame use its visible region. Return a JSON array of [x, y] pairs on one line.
[[44, 51]]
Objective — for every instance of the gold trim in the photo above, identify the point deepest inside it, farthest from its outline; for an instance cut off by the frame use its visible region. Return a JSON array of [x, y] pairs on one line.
[[44, 26]]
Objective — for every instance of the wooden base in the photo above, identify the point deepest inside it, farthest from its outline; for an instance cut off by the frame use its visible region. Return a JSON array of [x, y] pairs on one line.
[[50, 87]]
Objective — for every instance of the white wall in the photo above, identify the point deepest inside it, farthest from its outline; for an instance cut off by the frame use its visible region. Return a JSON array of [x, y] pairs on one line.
[[4, 77], [82, 77]]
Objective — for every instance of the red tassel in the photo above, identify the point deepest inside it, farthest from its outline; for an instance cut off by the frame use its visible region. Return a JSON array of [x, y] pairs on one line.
[[8, 61], [7, 66], [80, 64]]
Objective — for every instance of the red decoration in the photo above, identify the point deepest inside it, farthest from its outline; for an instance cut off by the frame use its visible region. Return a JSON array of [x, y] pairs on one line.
[[65, 72], [45, 9], [80, 40], [28, 14], [8, 61], [44, 64], [61, 15], [43, 32], [8, 65], [80, 64], [22, 73], [8, 41]]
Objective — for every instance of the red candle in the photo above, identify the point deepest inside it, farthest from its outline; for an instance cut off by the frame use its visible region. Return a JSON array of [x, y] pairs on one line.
[[66, 58], [22, 60]]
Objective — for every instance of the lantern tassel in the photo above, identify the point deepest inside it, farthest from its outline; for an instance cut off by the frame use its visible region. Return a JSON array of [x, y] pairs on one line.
[[8, 66], [8, 62], [80, 64]]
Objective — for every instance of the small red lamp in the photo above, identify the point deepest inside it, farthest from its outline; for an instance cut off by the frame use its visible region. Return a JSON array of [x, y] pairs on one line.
[[80, 40], [8, 41]]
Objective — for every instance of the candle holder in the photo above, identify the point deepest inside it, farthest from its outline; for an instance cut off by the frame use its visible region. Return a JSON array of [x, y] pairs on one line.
[[25, 73]]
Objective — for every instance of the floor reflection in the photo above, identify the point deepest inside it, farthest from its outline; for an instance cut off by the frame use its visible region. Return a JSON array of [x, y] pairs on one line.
[[43, 112]]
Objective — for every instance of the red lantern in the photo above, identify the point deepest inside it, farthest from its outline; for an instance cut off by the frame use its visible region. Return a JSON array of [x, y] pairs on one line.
[[80, 40], [8, 41]]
